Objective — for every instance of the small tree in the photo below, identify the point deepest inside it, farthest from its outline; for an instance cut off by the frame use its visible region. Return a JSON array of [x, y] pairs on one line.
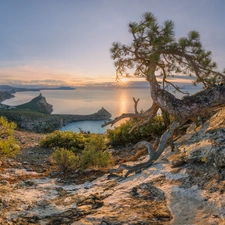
[[155, 51], [8, 144]]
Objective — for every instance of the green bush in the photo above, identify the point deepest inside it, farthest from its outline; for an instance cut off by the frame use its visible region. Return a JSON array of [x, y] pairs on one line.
[[121, 135], [73, 150], [95, 153], [65, 139], [8, 144], [66, 160]]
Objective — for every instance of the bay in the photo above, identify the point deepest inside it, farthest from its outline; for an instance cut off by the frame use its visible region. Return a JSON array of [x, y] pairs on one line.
[[87, 101]]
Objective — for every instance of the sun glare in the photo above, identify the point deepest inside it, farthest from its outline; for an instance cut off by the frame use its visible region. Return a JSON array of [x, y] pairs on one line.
[[124, 80]]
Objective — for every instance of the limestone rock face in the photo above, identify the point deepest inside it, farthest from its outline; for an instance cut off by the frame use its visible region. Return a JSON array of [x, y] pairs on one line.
[[104, 112], [205, 144], [44, 106]]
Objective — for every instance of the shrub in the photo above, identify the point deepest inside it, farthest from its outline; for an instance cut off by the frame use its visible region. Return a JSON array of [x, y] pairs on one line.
[[8, 144], [95, 153], [65, 139], [121, 135], [66, 160], [73, 150]]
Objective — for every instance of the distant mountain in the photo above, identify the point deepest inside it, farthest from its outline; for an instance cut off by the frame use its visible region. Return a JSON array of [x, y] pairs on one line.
[[16, 89], [59, 88], [5, 95]]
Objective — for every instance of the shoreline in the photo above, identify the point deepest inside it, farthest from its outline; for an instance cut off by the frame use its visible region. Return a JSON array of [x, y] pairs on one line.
[[36, 116]]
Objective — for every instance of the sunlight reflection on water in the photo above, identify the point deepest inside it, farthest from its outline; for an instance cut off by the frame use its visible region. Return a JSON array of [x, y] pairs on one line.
[[87, 101]]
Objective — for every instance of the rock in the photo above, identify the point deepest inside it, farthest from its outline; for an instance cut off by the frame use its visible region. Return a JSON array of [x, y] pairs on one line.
[[38, 104], [29, 183], [147, 191], [4, 182], [218, 158], [176, 160], [54, 174], [94, 201], [160, 194], [29, 169], [206, 144]]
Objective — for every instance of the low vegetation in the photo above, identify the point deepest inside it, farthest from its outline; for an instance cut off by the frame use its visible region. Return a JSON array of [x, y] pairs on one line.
[[121, 135], [65, 159], [95, 153], [65, 139], [8, 144], [78, 151], [81, 151]]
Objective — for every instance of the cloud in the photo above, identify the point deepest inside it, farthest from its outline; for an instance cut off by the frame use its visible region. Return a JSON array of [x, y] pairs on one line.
[[42, 75]]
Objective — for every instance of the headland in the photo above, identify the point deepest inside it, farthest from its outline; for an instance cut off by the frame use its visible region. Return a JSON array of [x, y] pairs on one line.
[[36, 116]]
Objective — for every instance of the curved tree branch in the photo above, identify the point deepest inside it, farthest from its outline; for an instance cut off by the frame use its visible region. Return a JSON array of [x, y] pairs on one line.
[[149, 115], [150, 112]]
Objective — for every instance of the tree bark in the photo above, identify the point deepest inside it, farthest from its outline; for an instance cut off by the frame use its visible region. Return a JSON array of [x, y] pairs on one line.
[[190, 106]]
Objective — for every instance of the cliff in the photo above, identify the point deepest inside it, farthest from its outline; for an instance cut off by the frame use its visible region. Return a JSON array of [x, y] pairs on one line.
[[38, 104], [5, 95], [38, 122], [36, 116], [102, 114]]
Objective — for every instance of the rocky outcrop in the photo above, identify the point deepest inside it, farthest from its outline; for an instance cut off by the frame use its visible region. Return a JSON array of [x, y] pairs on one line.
[[36, 116], [204, 144], [102, 114], [44, 123], [5, 95], [38, 104]]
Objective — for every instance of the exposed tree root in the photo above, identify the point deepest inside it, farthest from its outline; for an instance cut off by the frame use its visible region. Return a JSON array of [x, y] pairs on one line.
[[153, 155]]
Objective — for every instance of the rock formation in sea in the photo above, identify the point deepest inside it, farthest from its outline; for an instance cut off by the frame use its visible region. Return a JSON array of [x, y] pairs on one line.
[[36, 116], [38, 104]]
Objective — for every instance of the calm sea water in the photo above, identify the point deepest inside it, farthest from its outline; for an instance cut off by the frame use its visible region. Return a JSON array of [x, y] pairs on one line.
[[88, 101]]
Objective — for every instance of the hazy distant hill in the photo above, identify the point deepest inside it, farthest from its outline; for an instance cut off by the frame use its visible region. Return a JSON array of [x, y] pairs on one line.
[[5, 95], [17, 89]]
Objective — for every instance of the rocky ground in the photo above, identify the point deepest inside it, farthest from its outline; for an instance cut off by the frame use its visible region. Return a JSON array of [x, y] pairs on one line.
[[183, 187]]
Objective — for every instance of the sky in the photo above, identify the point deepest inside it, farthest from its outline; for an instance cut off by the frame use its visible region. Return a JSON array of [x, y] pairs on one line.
[[67, 42]]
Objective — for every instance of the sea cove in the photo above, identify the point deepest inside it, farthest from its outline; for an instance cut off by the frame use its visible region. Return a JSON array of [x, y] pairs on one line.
[[85, 101]]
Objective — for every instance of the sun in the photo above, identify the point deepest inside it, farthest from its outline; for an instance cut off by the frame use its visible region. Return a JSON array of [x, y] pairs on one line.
[[124, 80]]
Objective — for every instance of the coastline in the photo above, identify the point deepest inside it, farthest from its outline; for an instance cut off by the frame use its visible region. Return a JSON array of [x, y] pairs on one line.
[[45, 123], [35, 116]]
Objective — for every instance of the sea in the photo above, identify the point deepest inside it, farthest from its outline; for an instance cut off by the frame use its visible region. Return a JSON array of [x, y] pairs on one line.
[[85, 101]]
